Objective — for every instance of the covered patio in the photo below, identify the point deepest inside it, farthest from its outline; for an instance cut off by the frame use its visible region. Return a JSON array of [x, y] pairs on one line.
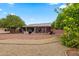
[[39, 28]]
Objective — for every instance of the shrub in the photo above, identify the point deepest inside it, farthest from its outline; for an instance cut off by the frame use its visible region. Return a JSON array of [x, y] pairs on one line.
[[70, 39], [68, 20]]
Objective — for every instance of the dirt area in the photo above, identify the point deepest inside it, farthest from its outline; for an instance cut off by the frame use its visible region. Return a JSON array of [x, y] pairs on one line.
[[30, 45], [48, 47], [34, 36], [24, 36]]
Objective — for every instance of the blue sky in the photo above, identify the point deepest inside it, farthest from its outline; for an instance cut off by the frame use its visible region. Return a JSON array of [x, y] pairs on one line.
[[31, 12]]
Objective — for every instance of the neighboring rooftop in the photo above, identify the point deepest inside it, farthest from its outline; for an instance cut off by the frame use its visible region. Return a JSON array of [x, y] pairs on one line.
[[39, 25]]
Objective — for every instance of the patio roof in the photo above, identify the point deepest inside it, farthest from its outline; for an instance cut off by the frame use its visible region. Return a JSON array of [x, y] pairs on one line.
[[39, 25]]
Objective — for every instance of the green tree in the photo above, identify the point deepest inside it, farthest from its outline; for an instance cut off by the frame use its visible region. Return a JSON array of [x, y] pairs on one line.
[[71, 35], [13, 21], [2, 23], [68, 20]]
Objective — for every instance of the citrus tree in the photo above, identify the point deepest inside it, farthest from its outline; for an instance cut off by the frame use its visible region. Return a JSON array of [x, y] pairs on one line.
[[68, 20], [71, 28]]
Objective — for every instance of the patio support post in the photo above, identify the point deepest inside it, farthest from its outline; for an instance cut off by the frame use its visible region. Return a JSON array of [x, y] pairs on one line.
[[34, 29], [45, 30]]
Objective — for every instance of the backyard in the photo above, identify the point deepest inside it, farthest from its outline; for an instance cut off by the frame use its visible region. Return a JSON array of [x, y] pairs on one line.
[[19, 36], [33, 44]]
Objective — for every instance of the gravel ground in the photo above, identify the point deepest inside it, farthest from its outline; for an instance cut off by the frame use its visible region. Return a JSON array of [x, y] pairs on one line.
[[6, 35], [47, 47], [30, 45], [25, 36], [53, 49]]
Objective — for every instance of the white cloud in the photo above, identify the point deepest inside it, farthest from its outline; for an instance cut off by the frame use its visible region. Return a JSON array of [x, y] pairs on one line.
[[53, 3], [32, 19], [0, 9], [63, 6], [4, 12], [11, 4], [12, 13]]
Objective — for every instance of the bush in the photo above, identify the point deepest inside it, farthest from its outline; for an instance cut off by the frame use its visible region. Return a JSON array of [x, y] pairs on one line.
[[70, 38], [70, 41], [68, 20]]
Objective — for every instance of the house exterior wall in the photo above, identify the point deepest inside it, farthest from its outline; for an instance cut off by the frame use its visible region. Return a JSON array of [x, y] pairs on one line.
[[40, 29]]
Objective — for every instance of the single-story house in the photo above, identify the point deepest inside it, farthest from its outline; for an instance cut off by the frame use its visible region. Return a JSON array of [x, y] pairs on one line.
[[39, 28]]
